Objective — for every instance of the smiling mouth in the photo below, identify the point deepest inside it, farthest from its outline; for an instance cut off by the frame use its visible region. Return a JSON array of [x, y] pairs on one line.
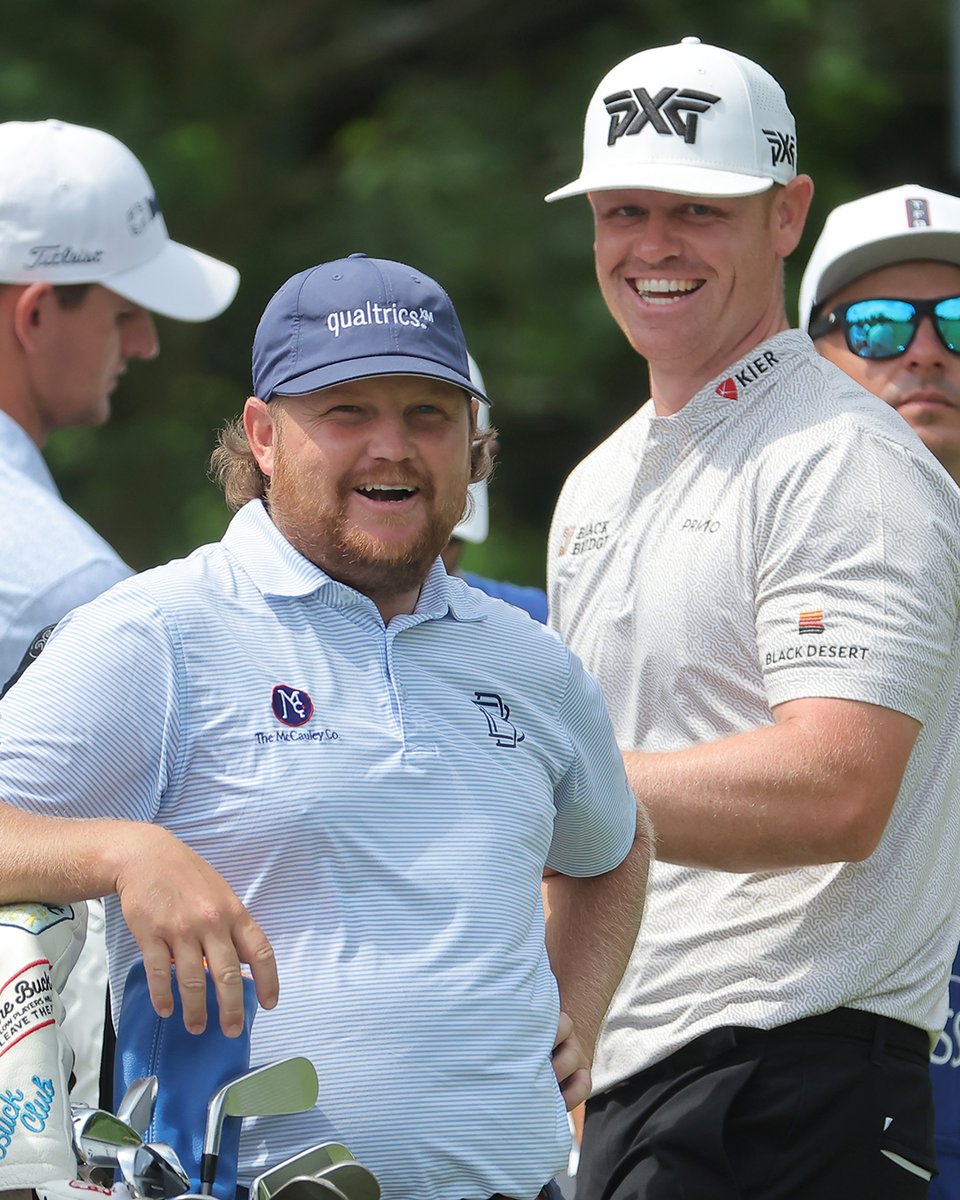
[[385, 493], [662, 292]]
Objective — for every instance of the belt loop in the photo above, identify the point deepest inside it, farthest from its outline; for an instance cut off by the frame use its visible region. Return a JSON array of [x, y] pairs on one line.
[[879, 1039]]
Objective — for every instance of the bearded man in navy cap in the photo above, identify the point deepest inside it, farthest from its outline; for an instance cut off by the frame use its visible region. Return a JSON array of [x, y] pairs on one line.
[[319, 754]]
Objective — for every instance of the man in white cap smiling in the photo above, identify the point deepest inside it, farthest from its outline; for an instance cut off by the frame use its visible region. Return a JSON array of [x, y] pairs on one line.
[[746, 565], [881, 298], [84, 260]]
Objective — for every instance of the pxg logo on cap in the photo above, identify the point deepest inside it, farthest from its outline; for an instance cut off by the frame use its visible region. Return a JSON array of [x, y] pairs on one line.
[[357, 318], [691, 119]]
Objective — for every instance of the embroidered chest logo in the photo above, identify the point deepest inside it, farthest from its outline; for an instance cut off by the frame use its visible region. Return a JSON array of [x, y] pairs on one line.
[[497, 713], [291, 706], [581, 539]]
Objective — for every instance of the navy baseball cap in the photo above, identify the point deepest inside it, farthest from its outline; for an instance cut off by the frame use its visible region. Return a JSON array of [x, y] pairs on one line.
[[355, 318]]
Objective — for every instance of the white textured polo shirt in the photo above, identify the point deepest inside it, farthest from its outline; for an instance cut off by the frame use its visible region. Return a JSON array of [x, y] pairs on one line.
[[383, 800], [50, 559], [784, 535]]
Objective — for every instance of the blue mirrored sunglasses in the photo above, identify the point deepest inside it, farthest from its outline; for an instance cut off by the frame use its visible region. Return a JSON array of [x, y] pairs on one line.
[[885, 328]]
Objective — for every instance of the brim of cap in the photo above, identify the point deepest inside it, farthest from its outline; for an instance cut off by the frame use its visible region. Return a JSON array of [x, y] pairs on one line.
[[368, 368], [179, 282], [939, 244], [684, 181]]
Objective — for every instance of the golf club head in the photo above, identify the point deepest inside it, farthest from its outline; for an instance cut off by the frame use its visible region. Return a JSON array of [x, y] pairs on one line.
[[158, 1172], [127, 1166], [309, 1187], [136, 1107], [355, 1180], [98, 1134], [307, 1162], [287, 1086]]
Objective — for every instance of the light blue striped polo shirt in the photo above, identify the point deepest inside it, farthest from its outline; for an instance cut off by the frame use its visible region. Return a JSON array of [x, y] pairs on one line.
[[383, 800], [50, 558]]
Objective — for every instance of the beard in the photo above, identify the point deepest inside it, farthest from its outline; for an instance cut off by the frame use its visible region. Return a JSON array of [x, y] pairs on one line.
[[311, 513]]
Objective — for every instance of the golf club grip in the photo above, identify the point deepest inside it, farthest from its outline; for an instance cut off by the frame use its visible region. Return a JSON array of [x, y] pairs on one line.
[[208, 1173]]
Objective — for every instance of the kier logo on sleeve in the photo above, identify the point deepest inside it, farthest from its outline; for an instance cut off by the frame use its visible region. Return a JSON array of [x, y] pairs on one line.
[[748, 372]]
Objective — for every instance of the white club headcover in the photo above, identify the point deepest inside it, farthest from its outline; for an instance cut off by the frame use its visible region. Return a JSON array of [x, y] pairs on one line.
[[38, 946]]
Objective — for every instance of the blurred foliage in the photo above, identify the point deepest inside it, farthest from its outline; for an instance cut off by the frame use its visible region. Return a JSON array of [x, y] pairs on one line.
[[281, 134]]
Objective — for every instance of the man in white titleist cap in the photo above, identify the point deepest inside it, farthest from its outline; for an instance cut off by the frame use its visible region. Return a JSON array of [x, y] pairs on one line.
[[757, 612], [84, 260], [881, 298]]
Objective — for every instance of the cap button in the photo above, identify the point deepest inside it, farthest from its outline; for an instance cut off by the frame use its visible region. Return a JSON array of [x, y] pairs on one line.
[[358, 254], [690, 41]]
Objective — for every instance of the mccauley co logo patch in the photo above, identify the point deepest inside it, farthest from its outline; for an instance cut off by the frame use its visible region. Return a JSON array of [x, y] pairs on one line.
[[291, 706]]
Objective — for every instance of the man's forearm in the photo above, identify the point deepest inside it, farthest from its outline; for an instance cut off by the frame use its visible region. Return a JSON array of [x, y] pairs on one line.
[[815, 787], [592, 926], [58, 860]]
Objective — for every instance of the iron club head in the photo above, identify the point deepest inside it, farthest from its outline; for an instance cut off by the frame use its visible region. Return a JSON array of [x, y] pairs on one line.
[[309, 1187], [307, 1162], [356, 1181], [287, 1086], [136, 1107]]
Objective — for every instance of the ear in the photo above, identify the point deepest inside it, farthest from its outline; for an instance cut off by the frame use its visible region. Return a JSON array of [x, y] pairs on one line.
[[260, 426], [33, 311], [791, 205]]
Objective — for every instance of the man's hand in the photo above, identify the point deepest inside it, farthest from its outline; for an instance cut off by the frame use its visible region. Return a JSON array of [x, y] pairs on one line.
[[570, 1064], [181, 910]]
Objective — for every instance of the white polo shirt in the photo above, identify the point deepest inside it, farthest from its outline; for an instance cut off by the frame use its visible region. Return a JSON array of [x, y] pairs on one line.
[[384, 800], [783, 535]]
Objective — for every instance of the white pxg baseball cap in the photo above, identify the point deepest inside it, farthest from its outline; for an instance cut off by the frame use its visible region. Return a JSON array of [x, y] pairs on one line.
[[691, 118], [901, 224], [76, 206]]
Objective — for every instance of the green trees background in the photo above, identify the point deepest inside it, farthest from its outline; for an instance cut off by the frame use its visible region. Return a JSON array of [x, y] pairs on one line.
[[282, 133]]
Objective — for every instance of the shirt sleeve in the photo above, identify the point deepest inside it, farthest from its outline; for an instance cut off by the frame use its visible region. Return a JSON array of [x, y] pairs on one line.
[[857, 598], [91, 729], [49, 605], [596, 811]]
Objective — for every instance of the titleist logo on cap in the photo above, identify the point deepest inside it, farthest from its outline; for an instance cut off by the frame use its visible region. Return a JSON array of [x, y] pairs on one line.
[[57, 255]]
